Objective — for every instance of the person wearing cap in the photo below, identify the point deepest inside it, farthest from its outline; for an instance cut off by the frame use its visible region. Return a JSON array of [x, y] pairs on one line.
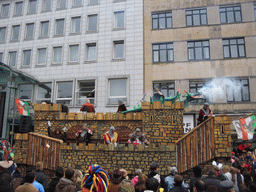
[[121, 106], [138, 138], [88, 107], [157, 95], [111, 137], [85, 133], [204, 113]]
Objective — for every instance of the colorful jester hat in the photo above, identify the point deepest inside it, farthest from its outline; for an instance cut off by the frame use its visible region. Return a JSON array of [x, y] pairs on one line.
[[95, 179], [6, 154]]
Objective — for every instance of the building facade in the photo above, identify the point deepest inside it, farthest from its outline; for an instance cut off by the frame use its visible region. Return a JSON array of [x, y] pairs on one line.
[[77, 49], [202, 46]]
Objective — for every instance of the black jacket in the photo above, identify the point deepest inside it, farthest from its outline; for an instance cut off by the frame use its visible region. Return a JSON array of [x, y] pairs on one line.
[[41, 178], [52, 185], [212, 180], [179, 189], [162, 183]]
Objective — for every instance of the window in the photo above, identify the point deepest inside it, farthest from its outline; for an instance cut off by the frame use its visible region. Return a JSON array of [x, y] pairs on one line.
[[29, 31], [44, 92], [5, 10], [91, 51], [61, 4], [167, 88], [198, 50], [118, 49], [231, 14], [77, 3], [93, 2], [73, 53], [2, 34], [47, 5], [41, 56], [64, 92], [86, 90], [254, 11], [162, 20], [1, 56], [18, 8], [26, 57], [75, 24], [196, 17], [119, 19], [12, 58], [44, 29], [238, 90], [117, 90], [15, 33], [92, 22], [59, 30], [234, 48], [32, 6], [26, 92], [162, 52], [57, 54]]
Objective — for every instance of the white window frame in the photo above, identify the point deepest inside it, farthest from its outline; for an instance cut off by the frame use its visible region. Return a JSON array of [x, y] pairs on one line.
[[74, 6], [96, 51], [114, 53], [15, 7], [41, 28], [118, 97], [29, 6], [16, 40], [37, 57], [115, 27], [44, 6], [55, 28], [78, 55], [11, 51], [71, 26], [23, 57], [57, 46], [91, 4], [78, 89], [88, 22], [56, 99], [4, 34], [27, 31], [44, 99], [4, 4]]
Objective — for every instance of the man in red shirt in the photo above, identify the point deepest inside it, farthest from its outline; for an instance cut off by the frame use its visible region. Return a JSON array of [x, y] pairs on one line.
[[204, 113], [88, 107]]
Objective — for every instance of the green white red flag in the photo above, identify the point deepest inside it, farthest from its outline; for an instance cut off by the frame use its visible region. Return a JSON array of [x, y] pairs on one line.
[[245, 128], [23, 107]]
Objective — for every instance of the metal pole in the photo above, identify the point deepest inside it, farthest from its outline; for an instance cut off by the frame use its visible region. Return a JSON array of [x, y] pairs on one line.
[[14, 112]]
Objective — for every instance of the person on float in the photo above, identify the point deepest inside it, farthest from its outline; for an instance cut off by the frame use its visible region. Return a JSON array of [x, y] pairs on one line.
[[121, 106], [204, 113], [138, 138], [111, 137], [88, 107]]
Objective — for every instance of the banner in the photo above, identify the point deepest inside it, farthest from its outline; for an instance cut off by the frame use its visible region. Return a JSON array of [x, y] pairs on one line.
[[23, 107], [245, 127]]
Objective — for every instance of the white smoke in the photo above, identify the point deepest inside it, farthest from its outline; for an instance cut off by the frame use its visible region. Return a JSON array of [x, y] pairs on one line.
[[218, 88]]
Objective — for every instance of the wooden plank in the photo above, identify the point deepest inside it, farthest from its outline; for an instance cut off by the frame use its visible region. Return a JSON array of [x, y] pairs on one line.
[[207, 140], [29, 159], [194, 148], [183, 165], [203, 143], [49, 154], [212, 139], [199, 146], [41, 150], [188, 152], [53, 156], [45, 154], [46, 137], [37, 148], [57, 154]]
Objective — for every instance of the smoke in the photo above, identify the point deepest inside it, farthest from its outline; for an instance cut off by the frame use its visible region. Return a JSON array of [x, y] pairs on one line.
[[219, 87]]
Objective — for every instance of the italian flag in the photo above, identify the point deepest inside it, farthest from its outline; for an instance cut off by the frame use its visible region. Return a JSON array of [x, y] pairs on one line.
[[23, 107]]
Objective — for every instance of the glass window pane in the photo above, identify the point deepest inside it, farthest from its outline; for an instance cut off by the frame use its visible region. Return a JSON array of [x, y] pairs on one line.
[[169, 22], [156, 58], [60, 27], [61, 4], [190, 44], [1, 57], [42, 56], [195, 11], [233, 41], [65, 89], [18, 8], [57, 54], [25, 91], [238, 95], [223, 18], [5, 10], [32, 6], [15, 33], [30, 31], [91, 53], [191, 55], [234, 51], [155, 24], [117, 87], [77, 3], [240, 41], [199, 54], [119, 19], [188, 12], [196, 20], [169, 46], [44, 91], [162, 46], [163, 57], [168, 14], [238, 16], [26, 57], [226, 52], [229, 94], [205, 43], [73, 54], [2, 34], [241, 51], [44, 29], [76, 25], [225, 42], [230, 16], [170, 55], [12, 58], [93, 2], [155, 47], [47, 5], [237, 8], [229, 8], [245, 90], [189, 20], [119, 50], [206, 53], [161, 23], [154, 15], [203, 20], [92, 23], [198, 44], [203, 11]]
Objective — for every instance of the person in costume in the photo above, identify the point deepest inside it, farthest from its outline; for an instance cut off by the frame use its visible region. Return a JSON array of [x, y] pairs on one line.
[[121, 106], [95, 179], [111, 137], [157, 95], [88, 107], [85, 133], [204, 113], [138, 138]]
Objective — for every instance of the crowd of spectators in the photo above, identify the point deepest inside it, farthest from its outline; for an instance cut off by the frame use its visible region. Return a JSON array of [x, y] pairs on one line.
[[236, 176]]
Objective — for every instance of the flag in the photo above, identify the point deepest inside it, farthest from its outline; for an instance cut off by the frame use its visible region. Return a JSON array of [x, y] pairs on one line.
[[23, 107], [245, 127]]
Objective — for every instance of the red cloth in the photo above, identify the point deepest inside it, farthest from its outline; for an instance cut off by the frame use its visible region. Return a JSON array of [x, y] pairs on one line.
[[108, 138], [88, 107], [242, 147]]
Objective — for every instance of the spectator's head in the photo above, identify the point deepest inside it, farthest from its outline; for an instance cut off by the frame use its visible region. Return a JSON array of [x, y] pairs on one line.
[[178, 179], [226, 185], [69, 173], [200, 185], [212, 188], [142, 180], [59, 171], [29, 169], [100, 184], [39, 166], [206, 105], [78, 176], [116, 177], [138, 171], [30, 177], [152, 184], [112, 129], [126, 186], [173, 171], [153, 167], [124, 173], [197, 171]]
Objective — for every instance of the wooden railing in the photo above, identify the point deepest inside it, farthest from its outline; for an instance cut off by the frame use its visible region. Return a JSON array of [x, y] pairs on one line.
[[196, 147], [44, 149]]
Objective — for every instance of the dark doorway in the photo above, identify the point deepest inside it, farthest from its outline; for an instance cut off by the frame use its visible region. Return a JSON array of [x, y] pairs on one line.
[[2, 105]]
